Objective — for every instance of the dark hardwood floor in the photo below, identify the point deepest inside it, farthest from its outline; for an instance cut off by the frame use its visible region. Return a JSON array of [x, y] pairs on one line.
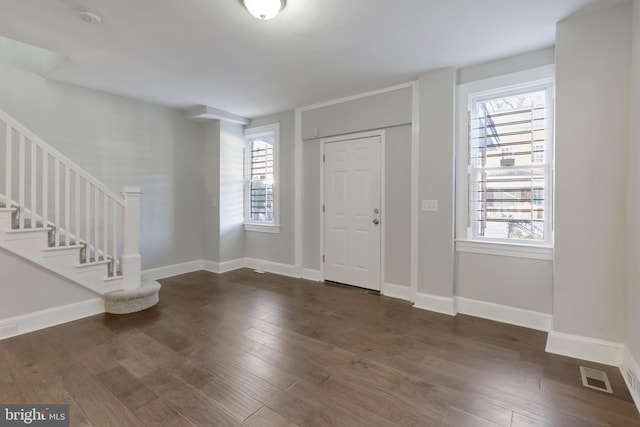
[[264, 350]]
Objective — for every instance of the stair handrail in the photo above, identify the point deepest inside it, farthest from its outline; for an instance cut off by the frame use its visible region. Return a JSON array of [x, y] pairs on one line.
[[103, 207], [22, 129]]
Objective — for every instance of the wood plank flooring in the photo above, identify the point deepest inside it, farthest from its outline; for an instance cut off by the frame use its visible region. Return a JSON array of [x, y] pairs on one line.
[[261, 350]]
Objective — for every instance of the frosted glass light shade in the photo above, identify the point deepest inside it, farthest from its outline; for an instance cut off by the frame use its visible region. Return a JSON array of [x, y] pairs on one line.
[[264, 9]]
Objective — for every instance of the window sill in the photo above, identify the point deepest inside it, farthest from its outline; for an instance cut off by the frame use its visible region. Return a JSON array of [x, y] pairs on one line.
[[505, 249], [262, 228]]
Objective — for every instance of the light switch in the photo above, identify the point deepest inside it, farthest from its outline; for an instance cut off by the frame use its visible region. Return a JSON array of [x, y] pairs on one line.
[[430, 206]]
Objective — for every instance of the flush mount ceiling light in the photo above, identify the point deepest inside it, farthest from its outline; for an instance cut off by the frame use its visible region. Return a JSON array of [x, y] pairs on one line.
[[264, 9], [90, 16]]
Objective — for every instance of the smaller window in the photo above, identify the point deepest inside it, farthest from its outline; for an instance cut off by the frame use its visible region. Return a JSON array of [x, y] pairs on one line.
[[510, 145], [261, 176]]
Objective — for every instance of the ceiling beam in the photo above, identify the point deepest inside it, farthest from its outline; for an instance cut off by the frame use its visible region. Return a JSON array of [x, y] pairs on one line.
[[204, 113]]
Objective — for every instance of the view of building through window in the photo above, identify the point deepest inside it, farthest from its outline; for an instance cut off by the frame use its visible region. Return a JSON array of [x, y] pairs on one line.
[[261, 180], [509, 173]]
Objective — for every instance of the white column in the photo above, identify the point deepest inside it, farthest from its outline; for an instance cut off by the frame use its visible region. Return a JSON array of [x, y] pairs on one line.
[[131, 260]]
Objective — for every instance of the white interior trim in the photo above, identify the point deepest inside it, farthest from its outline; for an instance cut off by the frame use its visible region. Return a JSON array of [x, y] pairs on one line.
[[415, 195], [505, 314], [397, 291], [310, 274], [173, 270], [298, 192], [438, 304], [52, 316], [537, 74], [505, 249], [631, 372], [381, 133], [261, 228], [271, 267], [585, 348], [234, 264]]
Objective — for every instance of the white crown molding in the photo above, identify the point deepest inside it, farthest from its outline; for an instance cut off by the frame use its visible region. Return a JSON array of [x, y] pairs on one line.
[[26, 323], [585, 348]]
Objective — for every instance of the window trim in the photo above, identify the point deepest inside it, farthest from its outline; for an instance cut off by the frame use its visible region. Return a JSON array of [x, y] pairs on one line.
[[251, 133], [515, 82]]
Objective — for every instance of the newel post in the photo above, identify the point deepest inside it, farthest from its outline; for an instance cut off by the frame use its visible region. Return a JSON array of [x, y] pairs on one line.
[[131, 260]]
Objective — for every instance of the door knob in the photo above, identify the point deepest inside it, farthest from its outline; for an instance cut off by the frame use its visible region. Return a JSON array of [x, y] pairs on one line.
[[376, 222]]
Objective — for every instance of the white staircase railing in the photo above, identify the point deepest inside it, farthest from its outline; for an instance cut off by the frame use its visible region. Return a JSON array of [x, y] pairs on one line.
[[51, 191]]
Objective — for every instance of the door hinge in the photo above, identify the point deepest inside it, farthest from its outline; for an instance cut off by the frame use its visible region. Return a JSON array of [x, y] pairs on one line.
[[322, 208], [324, 158], [322, 258]]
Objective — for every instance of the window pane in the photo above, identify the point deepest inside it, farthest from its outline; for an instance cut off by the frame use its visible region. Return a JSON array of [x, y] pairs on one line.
[[509, 204], [509, 131], [261, 186], [507, 154]]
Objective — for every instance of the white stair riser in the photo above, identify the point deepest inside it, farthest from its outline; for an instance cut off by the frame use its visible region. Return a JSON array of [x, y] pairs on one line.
[[32, 245], [5, 219]]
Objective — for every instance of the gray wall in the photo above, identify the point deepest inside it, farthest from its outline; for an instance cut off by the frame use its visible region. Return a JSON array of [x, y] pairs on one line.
[[391, 111], [373, 112], [592, 121], [26, 288], [123, 142], [211, 176], [397, 266], [514, 282], [436, 182], [633, 196], [231, 192], [278, 247], [512, 64]]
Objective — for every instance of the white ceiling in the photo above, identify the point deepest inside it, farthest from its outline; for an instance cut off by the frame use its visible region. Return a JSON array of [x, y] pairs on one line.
[[182, 53]]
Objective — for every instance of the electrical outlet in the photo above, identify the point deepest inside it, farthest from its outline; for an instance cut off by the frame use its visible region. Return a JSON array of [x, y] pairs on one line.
[[8, 329], [429, 206]]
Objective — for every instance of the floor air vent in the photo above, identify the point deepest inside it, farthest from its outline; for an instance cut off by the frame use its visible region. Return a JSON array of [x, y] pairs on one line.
[[597, 380]]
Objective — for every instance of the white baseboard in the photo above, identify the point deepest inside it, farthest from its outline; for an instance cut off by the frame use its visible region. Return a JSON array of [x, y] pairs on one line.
[[309, 274], [234, 264], [210, 266], [397, 291], [585, 348], [222, 267], [435, 303], [631, 372], [272, 267], [505, 314], [26, 323], [173, 270]]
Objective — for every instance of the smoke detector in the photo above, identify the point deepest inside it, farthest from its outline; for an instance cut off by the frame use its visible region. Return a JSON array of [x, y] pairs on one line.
[[90, 16]]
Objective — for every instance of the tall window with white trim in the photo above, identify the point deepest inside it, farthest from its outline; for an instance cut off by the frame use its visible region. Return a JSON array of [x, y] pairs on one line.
[[510, 164], [261, 175]]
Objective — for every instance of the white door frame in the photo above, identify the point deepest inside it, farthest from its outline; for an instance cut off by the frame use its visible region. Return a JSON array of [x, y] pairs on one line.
[[359, 135]]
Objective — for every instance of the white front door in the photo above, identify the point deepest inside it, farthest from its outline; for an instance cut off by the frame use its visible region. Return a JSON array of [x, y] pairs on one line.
[[352, 198]]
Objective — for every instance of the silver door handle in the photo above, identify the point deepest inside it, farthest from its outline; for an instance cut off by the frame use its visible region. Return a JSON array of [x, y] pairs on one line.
[[376, 222]]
